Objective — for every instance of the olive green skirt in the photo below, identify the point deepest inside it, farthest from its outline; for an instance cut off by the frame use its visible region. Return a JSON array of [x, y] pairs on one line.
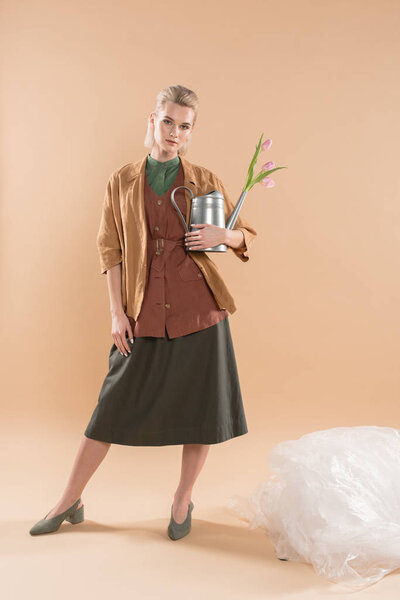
[[183, 390]]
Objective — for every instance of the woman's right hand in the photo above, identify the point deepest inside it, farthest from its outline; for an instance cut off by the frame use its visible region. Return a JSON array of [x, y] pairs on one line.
[[119, 329]]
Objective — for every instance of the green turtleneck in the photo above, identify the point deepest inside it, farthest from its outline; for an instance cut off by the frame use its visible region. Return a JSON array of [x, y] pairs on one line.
[[161, 175]]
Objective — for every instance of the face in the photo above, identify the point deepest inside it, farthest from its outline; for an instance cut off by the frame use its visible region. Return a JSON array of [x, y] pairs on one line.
[[174, 123]]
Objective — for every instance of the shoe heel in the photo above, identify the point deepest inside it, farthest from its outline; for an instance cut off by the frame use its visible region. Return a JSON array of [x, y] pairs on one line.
[[77, 516]]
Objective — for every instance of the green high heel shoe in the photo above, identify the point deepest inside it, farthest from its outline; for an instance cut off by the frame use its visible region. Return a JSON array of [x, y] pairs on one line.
[[72, 514], [179, 530]]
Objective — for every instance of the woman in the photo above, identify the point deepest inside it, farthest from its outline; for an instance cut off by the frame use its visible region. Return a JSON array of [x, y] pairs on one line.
[[172, 372]]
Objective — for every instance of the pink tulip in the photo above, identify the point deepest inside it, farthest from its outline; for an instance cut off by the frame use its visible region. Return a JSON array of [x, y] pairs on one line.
[[266, 145], [268, 165], [268, 182]]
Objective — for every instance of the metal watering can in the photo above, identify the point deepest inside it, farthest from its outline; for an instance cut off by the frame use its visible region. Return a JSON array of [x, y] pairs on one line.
[[209, 209]]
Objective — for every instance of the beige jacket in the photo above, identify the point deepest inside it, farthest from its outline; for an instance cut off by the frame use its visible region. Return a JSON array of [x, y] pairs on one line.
[[122, 236]]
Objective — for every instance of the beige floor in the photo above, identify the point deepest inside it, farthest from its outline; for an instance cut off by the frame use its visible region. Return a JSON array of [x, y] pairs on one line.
[[122, 547]]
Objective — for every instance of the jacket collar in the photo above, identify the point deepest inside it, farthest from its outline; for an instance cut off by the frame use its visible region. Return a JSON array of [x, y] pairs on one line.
[[139, 168]]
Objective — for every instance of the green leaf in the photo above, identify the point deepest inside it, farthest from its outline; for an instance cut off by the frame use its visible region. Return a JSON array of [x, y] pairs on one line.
[[261, 176], [253, 162]]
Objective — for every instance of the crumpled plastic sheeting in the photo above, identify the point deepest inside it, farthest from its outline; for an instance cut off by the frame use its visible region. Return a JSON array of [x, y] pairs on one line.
[[333, 500]]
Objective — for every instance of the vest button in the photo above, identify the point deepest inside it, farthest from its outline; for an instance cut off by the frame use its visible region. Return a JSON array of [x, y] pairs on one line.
[[159, 201], [199, 275], [156, 228], [167, 305]]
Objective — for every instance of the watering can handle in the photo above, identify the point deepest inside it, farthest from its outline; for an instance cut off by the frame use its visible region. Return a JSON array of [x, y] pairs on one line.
[[177, 207]]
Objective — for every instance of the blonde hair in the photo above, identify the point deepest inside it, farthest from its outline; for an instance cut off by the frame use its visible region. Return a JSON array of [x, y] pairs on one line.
[[180, 95]]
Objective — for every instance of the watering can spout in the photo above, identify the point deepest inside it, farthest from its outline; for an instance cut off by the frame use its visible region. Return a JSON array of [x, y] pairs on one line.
[[235, 213]]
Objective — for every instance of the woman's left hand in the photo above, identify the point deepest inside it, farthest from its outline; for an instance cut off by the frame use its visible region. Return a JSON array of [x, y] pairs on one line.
[[205, 236]]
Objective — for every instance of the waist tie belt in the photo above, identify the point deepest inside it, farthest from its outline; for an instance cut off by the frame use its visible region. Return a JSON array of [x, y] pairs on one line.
[[162, 244]]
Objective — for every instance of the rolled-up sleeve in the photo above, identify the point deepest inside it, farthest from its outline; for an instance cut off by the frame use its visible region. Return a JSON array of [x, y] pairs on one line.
[[108, 242], [248, 231]]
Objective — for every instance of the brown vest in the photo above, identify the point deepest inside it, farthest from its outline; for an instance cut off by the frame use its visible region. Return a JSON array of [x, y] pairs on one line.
[[177, 298]]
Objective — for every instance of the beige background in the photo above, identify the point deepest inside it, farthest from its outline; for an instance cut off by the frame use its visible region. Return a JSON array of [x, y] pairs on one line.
[[317, 328]]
